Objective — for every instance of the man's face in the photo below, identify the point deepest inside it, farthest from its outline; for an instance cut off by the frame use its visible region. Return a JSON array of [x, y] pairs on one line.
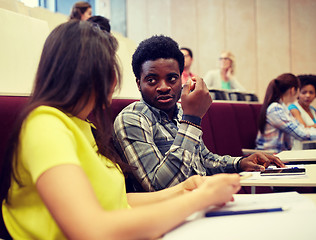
[[160, 84]]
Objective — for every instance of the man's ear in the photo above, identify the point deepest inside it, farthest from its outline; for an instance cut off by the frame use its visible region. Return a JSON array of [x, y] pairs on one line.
[[138, 83]]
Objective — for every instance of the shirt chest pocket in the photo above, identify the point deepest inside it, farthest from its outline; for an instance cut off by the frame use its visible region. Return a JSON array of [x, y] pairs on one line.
[[163, 145]]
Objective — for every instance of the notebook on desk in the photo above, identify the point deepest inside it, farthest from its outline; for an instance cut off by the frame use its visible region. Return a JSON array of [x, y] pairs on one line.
[[297, 222], [298, 155]]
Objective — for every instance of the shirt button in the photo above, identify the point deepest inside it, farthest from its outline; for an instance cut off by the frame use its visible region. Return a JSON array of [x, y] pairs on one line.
[[196, 146]]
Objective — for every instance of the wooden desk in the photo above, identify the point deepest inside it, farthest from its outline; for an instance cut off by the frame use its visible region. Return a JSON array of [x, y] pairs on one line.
[[283, 181], [311, 196], [298, 156], [298, 222]]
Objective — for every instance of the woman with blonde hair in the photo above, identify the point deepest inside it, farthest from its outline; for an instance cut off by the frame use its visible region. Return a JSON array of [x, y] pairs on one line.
[[224, 77]]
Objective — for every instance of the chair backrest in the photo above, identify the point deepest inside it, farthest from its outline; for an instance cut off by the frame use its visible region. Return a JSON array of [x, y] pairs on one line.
[[236, 96], [10, 107], [247, 124], [256, 111], [207, 136], [119, 104], [228, 127], [251, 97], [224, 129], [218, 94]]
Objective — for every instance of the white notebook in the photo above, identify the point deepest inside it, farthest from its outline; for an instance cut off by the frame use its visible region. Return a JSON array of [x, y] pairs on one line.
[[297, 155]]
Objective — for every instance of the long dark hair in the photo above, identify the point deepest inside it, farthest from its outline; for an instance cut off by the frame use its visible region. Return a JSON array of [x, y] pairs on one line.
[[275, 90], [78, 61], [78, 9]]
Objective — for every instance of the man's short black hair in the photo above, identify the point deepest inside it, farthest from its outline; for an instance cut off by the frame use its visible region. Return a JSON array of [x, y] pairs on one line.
[[154, 48], [307, 79], [188, 50]]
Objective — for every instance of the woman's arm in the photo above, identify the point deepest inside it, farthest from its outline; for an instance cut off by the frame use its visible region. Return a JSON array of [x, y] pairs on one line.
[[140, 199], [296, 113], [69, 196], [209, 80], [235, 84], [280, 118]]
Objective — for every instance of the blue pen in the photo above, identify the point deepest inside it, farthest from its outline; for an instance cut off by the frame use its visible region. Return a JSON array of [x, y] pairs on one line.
[[226, 213]]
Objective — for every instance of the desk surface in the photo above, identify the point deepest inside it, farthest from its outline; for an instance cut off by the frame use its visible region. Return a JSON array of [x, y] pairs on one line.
[[311, 196], [298, 156], [285, 181], [298, 222]]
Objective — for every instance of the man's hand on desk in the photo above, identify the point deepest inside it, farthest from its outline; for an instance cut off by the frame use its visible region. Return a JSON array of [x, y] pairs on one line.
[[259, 161]]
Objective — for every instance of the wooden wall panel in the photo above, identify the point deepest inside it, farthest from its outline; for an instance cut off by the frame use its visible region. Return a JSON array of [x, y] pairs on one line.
[[268, 37], [158, 17], [303, 36], [186, 33], [240, 39], [21, 44], [273, 39], [211, 38], [136, 19]]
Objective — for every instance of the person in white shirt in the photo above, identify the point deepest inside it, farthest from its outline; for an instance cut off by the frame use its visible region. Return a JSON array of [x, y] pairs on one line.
[[224, 78], [302, 109]]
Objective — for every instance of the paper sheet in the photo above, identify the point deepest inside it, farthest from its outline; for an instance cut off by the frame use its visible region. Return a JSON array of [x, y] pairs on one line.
[[298, 222]]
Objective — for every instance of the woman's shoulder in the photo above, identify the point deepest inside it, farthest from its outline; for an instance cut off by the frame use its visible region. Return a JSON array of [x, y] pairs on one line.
[[275, 106], [47, 112], [312, 108], [293, 106], [46, 116]]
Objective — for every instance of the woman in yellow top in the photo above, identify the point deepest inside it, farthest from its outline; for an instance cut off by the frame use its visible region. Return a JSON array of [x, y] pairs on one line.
[[60, 181]]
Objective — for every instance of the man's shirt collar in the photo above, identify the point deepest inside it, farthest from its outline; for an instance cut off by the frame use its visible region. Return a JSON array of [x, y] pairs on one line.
[[162, 115]]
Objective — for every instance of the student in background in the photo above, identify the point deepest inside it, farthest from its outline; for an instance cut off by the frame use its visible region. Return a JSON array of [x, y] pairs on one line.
[[302, 109], [81, 11], [224, 77], [162, 138], [103, 22], [188, 59], [277, 126], [60, 181]]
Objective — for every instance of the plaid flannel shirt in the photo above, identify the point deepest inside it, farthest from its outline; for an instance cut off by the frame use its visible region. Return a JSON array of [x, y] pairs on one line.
[[165, 152]]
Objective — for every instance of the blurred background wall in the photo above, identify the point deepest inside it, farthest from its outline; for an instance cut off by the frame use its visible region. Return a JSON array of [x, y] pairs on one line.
[[267, 37]]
